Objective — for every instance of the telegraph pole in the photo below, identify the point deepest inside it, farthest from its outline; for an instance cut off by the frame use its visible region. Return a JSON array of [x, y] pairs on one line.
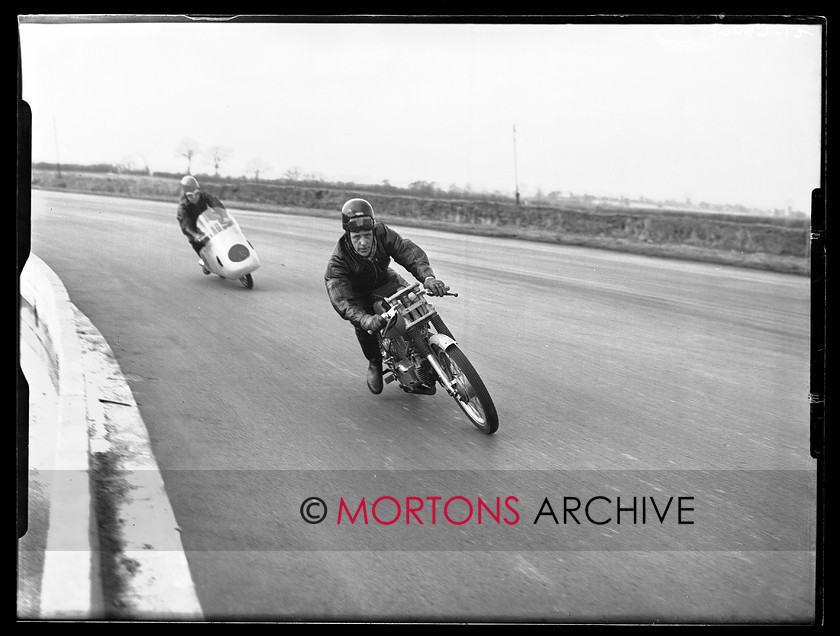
[[57, 158], [515, 167]]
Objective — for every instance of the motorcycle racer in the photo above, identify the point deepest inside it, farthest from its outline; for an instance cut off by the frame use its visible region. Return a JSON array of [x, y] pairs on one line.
[[192, 203], [358, 274]]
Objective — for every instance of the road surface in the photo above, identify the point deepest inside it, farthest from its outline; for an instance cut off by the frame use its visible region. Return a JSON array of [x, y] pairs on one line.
[[620, 382]]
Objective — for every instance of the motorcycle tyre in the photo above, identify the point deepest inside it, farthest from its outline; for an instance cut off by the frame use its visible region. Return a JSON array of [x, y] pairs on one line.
[[491, 419], [247, 281]]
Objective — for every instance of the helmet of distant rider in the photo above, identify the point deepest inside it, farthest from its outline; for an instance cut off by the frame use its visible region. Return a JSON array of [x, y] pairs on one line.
[[189, 183], [357, 215]]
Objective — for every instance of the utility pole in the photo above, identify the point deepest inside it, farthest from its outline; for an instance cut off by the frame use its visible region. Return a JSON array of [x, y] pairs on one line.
[[515, 167], [57, 158]]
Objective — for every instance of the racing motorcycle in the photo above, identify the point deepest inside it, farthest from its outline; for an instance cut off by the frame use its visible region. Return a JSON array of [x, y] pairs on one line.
[[419, 352], [226, 251]]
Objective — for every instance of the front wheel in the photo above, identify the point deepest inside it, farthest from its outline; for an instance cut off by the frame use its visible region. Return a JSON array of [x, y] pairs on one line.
[[471, 394], [247, 281]]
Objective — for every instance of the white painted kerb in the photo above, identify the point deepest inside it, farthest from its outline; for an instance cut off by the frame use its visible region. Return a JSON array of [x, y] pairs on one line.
[[98, 414], [66, 589]]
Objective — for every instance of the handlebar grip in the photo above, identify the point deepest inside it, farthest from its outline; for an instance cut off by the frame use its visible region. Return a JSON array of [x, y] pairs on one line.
[[423, 290]]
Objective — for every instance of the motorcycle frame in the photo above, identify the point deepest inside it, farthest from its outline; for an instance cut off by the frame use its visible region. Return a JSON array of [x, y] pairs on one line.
[[415, 319]]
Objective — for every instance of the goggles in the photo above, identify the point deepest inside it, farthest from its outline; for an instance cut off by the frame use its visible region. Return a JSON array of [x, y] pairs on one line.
[[360, 224]]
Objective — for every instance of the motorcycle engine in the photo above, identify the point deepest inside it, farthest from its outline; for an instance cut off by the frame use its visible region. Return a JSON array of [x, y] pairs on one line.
[[411, 371], [406, 374]]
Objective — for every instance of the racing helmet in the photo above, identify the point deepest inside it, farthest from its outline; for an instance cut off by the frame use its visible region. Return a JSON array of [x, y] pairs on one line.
[[357, 215], [189, 183]]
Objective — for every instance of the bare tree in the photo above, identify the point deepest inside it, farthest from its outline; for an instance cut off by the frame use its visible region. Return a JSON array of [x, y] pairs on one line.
[[145, 163], [126, 164], [217, 155], [188, 148], [257, 166], [292, 174], [423, 187], [133, 163]]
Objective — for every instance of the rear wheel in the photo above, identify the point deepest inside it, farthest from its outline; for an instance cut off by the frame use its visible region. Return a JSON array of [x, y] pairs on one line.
[[247, 281], [471, 394]]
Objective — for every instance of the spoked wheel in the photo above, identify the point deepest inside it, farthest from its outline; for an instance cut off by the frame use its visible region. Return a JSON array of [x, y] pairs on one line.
[[247, 281], [472, 395]]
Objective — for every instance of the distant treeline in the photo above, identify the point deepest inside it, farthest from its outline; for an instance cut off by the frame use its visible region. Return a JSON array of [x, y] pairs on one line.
[[772, 242], [422, 188]]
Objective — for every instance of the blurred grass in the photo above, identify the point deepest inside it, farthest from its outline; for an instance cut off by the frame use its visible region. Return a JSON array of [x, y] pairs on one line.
[[769, 243]]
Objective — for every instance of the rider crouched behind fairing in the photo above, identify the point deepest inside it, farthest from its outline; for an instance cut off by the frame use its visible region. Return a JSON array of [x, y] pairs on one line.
[[192, 203], [358, 274]]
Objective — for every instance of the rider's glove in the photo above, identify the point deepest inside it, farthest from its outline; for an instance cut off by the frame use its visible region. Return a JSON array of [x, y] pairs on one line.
[[436, 287], [372, 322]]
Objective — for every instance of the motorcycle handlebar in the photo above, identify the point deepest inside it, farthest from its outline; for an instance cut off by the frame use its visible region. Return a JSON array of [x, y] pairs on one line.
[[417, 288], [423, 290], [391, 313]]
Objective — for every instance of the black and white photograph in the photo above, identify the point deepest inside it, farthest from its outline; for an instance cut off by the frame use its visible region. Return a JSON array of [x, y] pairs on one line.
[[407, 319]]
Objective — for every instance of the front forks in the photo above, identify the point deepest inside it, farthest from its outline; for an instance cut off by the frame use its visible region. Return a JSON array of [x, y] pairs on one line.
[[421, 346], [447, 381]]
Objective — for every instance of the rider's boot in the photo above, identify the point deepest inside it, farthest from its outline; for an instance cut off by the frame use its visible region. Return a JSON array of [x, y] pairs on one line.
[[374, 375]]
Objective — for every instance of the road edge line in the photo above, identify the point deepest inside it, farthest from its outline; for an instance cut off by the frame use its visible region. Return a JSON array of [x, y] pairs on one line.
[[146, 559]]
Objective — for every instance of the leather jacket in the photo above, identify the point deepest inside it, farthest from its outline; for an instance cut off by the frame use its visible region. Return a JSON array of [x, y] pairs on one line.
[[188, 212], [351, 279]]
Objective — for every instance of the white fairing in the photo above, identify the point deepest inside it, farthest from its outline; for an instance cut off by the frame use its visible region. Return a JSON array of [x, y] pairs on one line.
[[228, 253]]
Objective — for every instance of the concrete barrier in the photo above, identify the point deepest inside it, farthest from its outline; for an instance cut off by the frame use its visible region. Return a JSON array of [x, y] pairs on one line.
[[67, 590], [113, 548]]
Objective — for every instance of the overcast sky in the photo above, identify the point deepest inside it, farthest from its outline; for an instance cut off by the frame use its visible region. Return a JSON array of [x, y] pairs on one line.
[[721, 113]]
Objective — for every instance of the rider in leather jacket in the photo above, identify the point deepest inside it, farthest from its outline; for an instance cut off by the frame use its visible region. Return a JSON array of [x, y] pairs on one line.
[[192, 203], [358, 274]]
